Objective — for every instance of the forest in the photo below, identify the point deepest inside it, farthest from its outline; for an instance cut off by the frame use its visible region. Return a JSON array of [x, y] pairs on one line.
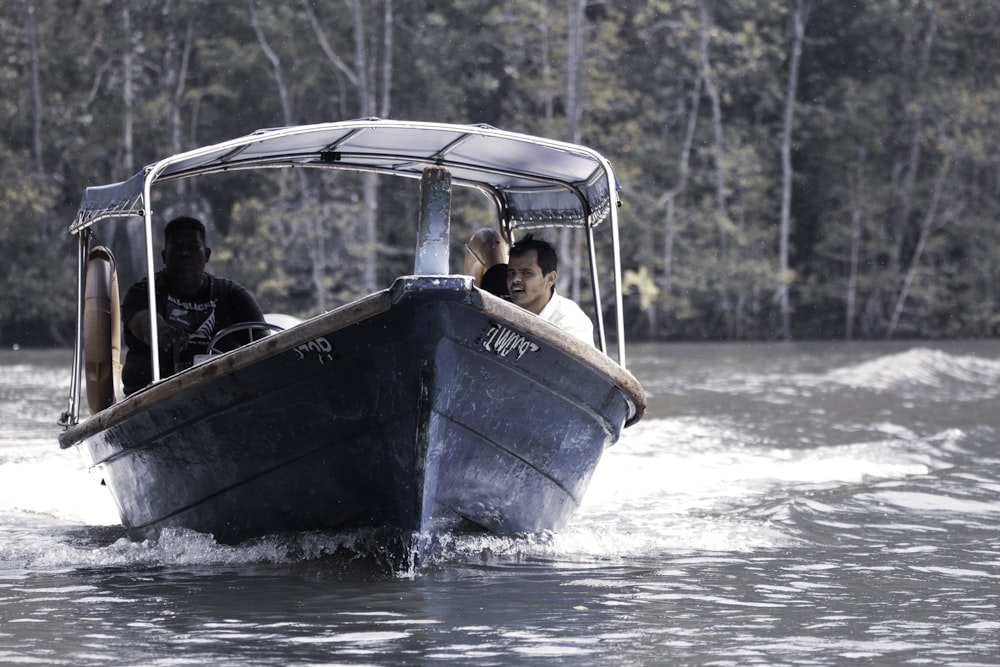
[[790, 169]]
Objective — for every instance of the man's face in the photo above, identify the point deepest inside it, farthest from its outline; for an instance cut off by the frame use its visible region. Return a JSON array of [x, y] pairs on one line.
[[528, 286], [185, 255]]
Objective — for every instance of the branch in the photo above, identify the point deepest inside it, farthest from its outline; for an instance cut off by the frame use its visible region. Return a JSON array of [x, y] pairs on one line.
[[324, 44], [926, 229], [286, 105]]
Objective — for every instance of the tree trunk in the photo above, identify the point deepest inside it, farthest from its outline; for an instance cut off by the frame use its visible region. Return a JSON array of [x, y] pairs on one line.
[[364, 64], [308, 199], [388, 42], [569, 239], [669, 199], [362, 77], [132, 264], [284, 94], [575, 19], [175, 72], [858, 211], [705, 26], [36, 88], [799, 20], [926, 229], [908, 171]]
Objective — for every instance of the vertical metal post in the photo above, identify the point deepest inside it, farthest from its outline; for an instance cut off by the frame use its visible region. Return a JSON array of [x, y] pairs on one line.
[[72, 415], [433, 230], [154, 336], [619, 296], [595, 285]]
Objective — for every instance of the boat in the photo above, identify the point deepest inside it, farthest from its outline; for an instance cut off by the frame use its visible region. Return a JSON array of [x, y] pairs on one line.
[[428, 407]]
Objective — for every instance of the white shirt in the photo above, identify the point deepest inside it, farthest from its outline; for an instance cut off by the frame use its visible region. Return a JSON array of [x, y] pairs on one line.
[[567, 315]]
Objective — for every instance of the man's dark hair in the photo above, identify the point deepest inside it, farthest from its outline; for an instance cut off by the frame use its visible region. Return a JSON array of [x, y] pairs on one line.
[[184, 223], [548, 261]]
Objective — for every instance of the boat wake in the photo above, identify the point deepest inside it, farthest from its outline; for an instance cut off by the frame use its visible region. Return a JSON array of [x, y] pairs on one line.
[[751, 462], [34, 544], [671, 486]]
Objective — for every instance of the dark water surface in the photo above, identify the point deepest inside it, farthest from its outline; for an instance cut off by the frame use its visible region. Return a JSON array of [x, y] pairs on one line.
[[806, 504]]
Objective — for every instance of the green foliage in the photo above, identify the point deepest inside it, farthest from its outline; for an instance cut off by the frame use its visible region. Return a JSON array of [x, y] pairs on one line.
[[641, 283], [684, 96], [37, 273]]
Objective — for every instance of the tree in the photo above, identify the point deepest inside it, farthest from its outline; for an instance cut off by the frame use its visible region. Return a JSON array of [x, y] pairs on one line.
[[777, 182], [800, 17]]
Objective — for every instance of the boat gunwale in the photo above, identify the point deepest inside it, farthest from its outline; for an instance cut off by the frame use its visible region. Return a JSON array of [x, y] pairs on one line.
[[352, 313]]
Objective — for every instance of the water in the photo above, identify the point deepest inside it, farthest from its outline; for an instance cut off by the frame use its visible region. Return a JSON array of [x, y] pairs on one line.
[[809, 504]]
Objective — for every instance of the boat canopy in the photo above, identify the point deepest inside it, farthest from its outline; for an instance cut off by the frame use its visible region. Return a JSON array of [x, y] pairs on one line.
[[534, 182]]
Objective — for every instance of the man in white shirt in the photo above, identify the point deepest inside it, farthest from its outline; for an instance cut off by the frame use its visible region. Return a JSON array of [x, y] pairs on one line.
[[531, 281]]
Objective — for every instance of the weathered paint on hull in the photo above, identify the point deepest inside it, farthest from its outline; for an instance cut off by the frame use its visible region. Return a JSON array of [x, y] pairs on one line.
[[432, 414]]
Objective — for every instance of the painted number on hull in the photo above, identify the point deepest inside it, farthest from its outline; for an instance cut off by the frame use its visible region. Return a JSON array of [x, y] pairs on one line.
[[502, 341], [320, 347]]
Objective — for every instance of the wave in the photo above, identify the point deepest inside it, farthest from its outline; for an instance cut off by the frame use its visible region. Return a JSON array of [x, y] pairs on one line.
[[916, 372], [924, 368], [696, 484], [907, 516]]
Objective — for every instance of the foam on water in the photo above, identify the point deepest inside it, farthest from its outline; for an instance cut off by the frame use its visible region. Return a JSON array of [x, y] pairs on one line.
[[705, 462], [645, 499], [36, 477], [694, 482]]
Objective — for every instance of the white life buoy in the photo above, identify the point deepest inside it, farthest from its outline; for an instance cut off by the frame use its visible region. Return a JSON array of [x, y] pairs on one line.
[[101, 330]]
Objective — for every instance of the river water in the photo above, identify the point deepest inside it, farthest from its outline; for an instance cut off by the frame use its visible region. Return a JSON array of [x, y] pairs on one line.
[[781, 504]]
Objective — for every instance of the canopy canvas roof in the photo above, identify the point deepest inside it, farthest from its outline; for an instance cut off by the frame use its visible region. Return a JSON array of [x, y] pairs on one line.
[[534, 182]]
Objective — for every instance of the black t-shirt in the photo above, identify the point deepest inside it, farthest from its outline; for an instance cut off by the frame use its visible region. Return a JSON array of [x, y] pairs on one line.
[[218, 303]]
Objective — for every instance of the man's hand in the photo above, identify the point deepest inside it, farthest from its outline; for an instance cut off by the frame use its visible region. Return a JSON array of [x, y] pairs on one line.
[[169, 336]]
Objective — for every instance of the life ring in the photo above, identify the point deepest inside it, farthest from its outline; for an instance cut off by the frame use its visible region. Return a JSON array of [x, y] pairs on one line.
[[101, 330]]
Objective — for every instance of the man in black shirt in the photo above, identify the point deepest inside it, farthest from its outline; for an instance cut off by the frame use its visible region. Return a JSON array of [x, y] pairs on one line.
[[191, 306]]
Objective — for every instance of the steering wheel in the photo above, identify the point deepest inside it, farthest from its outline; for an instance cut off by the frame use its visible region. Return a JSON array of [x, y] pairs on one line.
[[239, 326]]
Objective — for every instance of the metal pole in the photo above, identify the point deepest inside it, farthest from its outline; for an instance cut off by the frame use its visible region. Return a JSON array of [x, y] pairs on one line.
[[72, 415], [619, 309], [154, 337], [596, 288], [433, 233]]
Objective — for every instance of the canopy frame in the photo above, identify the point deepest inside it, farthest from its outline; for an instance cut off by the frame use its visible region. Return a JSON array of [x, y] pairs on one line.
[[534, 183]]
